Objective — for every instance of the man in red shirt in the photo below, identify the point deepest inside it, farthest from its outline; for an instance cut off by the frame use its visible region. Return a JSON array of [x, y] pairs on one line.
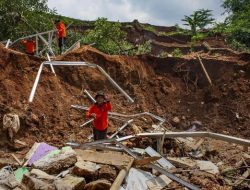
[[61, 34], [29, 46], [99, 111]]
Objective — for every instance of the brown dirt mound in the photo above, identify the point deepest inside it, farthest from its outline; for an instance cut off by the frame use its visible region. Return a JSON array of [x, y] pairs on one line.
[[167, 87]]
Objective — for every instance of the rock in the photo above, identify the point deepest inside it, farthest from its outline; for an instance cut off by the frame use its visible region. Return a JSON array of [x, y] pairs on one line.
[[100, 184], [176, 120], [57, 162], [39, 174], [86, 169], [32, 183], [7, 162], [7, 179], [196, 123], [70, 183], [107, 172], [34, 118], [136, 129]]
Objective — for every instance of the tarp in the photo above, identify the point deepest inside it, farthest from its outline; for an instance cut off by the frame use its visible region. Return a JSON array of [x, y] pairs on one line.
[[20, 172], [137, 178], [42, 150]]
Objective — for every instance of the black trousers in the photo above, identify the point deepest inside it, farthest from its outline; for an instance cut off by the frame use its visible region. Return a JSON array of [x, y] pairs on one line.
[[61, 43], [99, 135]]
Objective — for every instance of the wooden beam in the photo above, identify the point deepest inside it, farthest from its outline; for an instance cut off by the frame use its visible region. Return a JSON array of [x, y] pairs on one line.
[[205, 71], [122, 174], [107, 157]]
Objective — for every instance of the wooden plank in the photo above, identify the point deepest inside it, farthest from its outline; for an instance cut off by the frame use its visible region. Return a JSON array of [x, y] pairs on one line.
[[122, 174], [107, 157], [242, 178], [183, 162], [145, 161], [18, 161], [197, 145]]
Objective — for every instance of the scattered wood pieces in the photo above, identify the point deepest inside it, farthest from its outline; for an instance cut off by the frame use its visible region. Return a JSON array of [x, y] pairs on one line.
[[107, 157], [145, 161]]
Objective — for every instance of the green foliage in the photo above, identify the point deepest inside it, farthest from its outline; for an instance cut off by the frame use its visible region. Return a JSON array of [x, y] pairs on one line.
[[163, 54], [107, 36], [234, 44], [14, 13], [219, 28], [143, 48], [198, 37], [199, 19], [238, 22], [177, 52], [149, 28]]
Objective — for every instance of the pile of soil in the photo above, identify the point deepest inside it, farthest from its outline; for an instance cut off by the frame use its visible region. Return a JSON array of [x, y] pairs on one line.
[[168, 87]]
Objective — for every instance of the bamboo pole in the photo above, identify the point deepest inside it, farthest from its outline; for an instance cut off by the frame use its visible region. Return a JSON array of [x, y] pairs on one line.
[[205, 71]]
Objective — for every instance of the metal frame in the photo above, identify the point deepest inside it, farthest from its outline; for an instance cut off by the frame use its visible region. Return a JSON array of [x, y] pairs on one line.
[[121, 128], [74, 63], [162, 120], [217, 136]]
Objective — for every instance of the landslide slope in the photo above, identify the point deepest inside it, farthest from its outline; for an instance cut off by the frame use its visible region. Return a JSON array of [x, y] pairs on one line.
[[168, 87]]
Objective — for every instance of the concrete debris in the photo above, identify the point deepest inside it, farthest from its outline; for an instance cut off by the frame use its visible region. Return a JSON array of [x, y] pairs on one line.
[[70, 182], [101, 184], [107, 172], [86, 169], [107, 157], [56, 162], [7, 178], [33, 183], [207, 166]]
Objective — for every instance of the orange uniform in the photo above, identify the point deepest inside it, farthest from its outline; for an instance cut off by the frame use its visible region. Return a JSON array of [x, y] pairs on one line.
[[101, 120], [61, 30], [29, 46]]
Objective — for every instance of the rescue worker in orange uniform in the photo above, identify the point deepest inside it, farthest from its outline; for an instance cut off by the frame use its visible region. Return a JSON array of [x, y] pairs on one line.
[[61, 34], [99, 111], [29, 46]]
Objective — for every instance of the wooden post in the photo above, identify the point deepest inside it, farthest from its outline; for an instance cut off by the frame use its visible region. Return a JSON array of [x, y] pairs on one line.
[[205, 71], [162, 143], [122, 174]]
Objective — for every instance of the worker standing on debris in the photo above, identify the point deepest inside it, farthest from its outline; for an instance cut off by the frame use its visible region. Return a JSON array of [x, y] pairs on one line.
[[29, 46], [61, 34], [99, 112]]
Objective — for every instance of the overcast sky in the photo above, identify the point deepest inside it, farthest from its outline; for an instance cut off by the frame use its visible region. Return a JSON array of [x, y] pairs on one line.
[[158, 12]]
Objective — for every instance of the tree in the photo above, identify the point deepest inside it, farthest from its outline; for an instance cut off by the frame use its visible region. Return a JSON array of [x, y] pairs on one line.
[[199, 19], [14, 12], [238, 22], [107, 36]]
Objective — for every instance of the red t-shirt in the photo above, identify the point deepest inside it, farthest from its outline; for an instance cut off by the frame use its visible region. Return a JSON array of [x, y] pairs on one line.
[[61, 31], [101, 120], [29, 46]]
